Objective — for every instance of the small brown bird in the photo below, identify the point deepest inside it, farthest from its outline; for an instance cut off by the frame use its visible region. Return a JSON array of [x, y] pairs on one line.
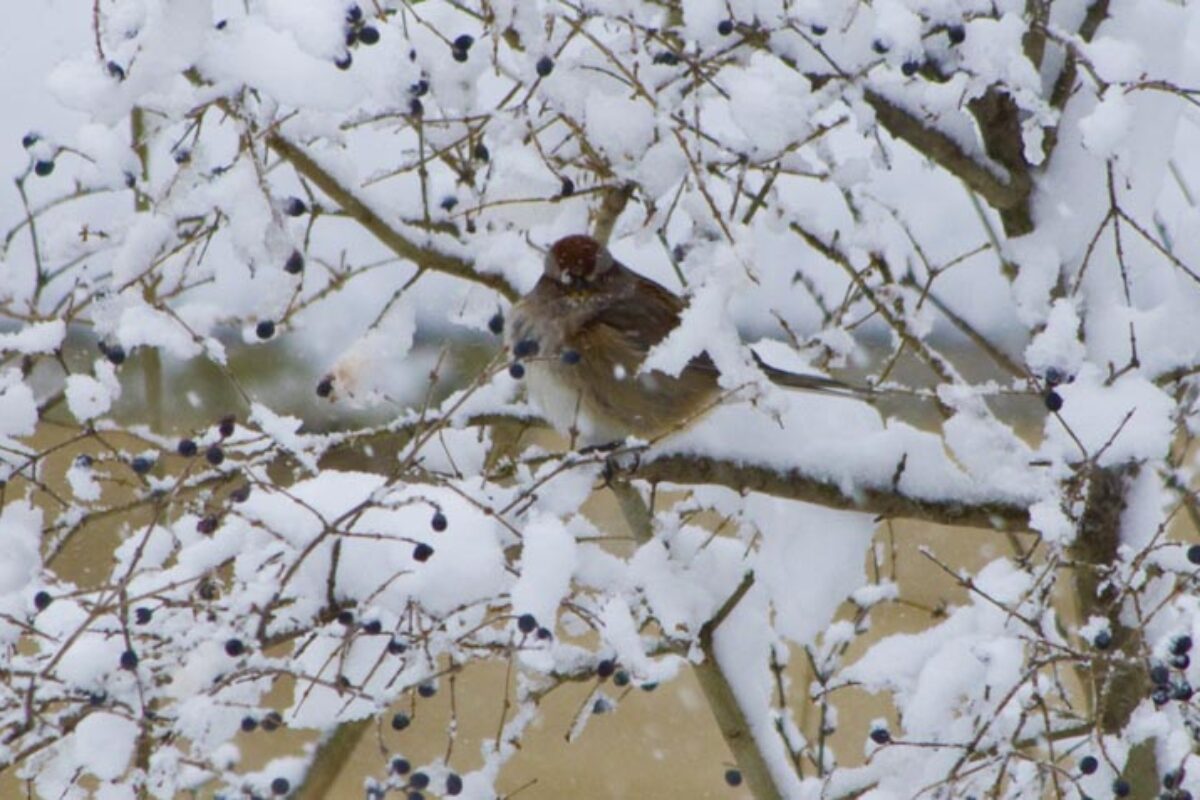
[[582, 334]]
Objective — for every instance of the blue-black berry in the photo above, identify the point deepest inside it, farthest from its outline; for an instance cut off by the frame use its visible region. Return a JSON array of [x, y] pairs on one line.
[[880, 46], [265, 329], [516, 370], [1103, 640], [427, 690], [234, 648], [1193, 554], [325, 386], [115, 354], [226, 425], [606, 667], [214, 455], [369, 35], [343, 62], [280, 786], [449, 202], [372, 627], [141, 465], [956, 33], [422, 552], [396, 647], [481, 153], [880, 735], [463, 42], [666, 57], [733, 777], [129, 660], [142, 615], [272, 721], [43, 167], [454, 784], [42, 600], [294, 207], [1181, 645], [400, 721], [345, 617], [526, 623], [819, 30], [30, 139], [1088, 765], [910, 67], [1053, 400], [545, 66], [207, 525], [438, 522], [249, 724], [568, 188], [419, 780], [400, 766], [1160, 675], [186, 448], [1121, 787], [294, 264], [725, 27], [496, 323]]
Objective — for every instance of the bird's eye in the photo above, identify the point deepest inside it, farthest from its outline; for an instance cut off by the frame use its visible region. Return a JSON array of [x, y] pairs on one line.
[[566, 279]]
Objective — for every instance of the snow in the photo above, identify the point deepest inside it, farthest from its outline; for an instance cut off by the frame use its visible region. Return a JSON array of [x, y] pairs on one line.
[[87, 397]]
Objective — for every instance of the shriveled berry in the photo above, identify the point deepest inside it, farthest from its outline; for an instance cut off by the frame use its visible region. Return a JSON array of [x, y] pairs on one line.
[[571, 357], [448, 202], [186, 448], [30, 139], [422, 552], [544, 66], [526, 623], [240, 494], [1121, 787], [42, 600], [621, 678], [142, 615], [400, 721], [294, 264], [438, 522], [214, 455], [207, 525], [353, 14], [272, 721], [733, 777], [545, 634], [725, 27], [265, 329], [420, 88], [115, 70], [481, 153]]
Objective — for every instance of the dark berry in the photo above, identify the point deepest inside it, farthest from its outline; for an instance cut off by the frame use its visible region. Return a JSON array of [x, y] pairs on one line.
[[463, 42], [454, 784], [400, 766], [733, 777], [880, 735], [481, 152], [570, 357], [427, 690], [207, 525], [29, 140], [422, 552], [129, 660], [1054, 401], [351, 37], [1182, 692], [649, 687], [880, 46], [345, 617], [141, 465], [1160, 675], [1161, 696], [97, 698], [115, 354], [186, 448], [957, 34], [1103, 640], [420, 88], [414, 795], [458, 55], [496, 323], [1181, 645], [526, 348], [372, 627], [517, 371], [1088, 765], [294, 207], [396, 647], [281, 786], [249, 724], [42, 600], [272, 721], [1171, 779], [353, 14], [264, 329], [910, 67], [142, 615], [294, 264], [1121, 787], [666, 57], [400, 721], [83, 461], [568, 188], [526, 623], [415, 107], [419, 780], [226, 425], [438, 522], [207, 590], [606, 667], [182, 156], [1181, 661], [43, 167], [343, 62], [1193, 554], [819, 30], [234, 648], [115, 70], [1054, 376], [449, 202], [725, 27], [325, 387], [545, 634], [621, 678], [545, 66], [214, 455], [369, 35]]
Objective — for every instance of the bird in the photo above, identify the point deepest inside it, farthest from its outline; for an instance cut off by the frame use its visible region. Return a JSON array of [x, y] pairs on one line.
[[579, 339]]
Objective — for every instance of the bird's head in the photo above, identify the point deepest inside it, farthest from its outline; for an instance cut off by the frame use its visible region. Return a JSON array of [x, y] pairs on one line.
[[577, 261]]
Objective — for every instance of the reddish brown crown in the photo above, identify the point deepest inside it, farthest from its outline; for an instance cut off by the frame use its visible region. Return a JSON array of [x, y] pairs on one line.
[[577, 255]]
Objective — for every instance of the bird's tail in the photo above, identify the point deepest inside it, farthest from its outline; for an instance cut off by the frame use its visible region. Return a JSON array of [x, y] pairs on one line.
[[815, 383]]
